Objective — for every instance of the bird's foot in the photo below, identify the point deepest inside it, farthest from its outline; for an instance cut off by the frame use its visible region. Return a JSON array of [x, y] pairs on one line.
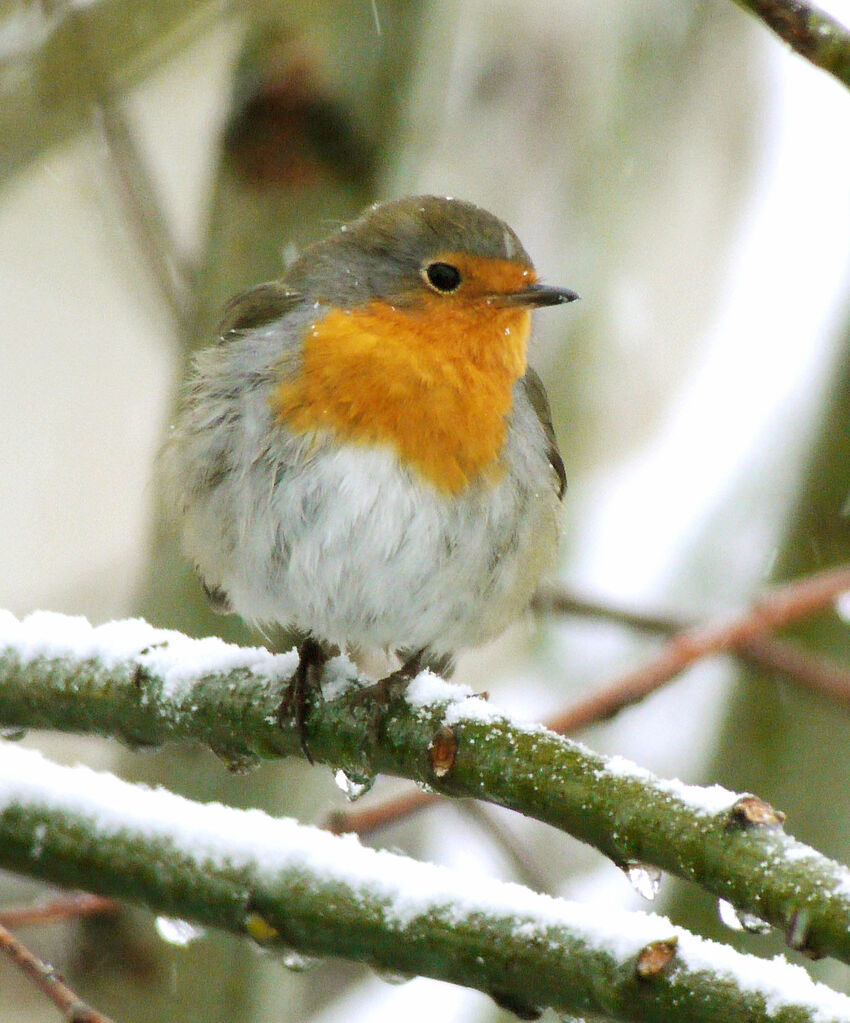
[[376, 698], [298, 695], [394, 684]]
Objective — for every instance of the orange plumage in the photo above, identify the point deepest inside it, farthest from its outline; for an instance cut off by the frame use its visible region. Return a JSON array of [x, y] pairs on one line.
[[433, 379]]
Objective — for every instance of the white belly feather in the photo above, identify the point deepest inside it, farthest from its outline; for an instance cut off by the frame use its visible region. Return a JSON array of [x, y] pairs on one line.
[[338, 541]]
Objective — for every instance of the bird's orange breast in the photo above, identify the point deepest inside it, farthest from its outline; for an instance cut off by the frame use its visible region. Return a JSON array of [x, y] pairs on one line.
[[435, 382]]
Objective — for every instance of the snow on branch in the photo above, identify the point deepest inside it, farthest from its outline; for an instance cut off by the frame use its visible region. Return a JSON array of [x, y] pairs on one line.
[[148, 686], [288, 886]]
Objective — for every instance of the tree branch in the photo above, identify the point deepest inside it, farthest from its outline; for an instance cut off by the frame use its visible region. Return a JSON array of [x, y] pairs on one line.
[[808, 30], [773, 610], [820, 675], [47, 980], [147, 686], [69, 907], [292, 887]]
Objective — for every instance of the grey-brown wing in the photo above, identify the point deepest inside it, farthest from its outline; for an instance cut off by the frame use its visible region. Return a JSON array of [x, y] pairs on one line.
[[262, 304], [254, 308], [536, 394]]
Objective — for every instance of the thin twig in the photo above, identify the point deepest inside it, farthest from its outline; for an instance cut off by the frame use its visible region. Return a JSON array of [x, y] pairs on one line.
[[391, 811], [171, 269], [821, 675], [368, 819], [813, 33], [773, 610], [47, 980], [514, 849], [65, 908], [826, 677], [554, 600]]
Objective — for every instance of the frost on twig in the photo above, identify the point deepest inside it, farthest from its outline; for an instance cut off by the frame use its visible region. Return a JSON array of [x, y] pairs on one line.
[[294, 887], [147, 686]]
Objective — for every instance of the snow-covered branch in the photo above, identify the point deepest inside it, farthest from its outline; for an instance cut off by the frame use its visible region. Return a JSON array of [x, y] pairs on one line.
[[148, 686], [293, 887]]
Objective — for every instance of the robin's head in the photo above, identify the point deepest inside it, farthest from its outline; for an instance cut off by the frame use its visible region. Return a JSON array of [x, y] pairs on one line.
[[408, 251], [423, 312]]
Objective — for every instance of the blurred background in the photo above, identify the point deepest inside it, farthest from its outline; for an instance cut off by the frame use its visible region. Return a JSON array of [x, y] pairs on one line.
[[668, 159]]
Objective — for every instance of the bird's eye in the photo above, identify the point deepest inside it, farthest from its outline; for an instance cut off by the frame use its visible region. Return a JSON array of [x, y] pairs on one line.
[[442, 277]]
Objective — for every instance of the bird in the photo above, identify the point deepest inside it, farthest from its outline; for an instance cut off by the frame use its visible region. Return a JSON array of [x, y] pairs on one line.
[[364, 455]]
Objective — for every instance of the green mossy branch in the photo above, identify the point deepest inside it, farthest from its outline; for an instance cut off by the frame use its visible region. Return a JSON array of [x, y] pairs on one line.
[[288, 887], [156, 686], [808, 30]]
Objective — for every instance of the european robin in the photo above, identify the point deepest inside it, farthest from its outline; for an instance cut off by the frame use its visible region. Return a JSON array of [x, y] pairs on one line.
[[365, 455]]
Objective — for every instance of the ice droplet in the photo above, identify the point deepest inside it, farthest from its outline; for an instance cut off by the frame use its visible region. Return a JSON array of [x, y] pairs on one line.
[[393, 977], [354, 786], [754, 924], [176, 931], [295, 961], [645, 880], [740, 920]]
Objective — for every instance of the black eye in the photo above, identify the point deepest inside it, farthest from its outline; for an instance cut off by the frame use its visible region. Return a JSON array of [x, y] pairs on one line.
[[442, 276]]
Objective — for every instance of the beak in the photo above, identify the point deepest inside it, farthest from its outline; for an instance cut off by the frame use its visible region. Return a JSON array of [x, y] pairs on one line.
[[537, 295]]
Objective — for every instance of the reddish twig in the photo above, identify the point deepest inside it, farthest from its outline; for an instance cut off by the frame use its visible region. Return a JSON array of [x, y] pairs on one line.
[[827, 678], [47, 980], [775, 609], [742, 633], [821, 675], [372, 818], [67, 907]]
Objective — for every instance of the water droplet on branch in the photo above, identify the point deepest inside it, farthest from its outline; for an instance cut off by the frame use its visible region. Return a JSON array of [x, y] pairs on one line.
[[393, 977], [296, 961], [176, 931], [739, 919], [645, 880], [353, 785]]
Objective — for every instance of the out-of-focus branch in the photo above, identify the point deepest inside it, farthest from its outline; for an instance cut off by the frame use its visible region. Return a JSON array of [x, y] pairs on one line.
[[368, 819], [68, 907], [808, 30], [822, 675], [555, 600], [773, 610], [287, 886], [137, 190], [825, 677], [45, 90], [47, 980]]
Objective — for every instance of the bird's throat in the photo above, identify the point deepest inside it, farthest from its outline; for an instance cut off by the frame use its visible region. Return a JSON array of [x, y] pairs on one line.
[[436, 383]]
